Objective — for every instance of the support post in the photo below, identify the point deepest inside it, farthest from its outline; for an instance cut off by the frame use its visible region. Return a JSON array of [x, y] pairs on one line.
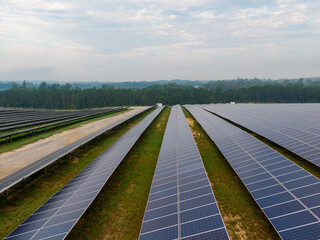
[[6, 195], [45, 171]]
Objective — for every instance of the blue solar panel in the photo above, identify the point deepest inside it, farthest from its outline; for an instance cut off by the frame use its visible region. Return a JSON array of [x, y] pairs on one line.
[[181, 203], [23, 173], [290, 203], [60, 213], [293, 126]]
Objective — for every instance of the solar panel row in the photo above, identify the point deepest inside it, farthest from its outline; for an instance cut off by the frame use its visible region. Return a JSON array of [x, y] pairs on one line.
[[47, 117], [288, 195], [295, 127], [181, 203], [58, 123], [16, 115], [56, 218], [18, 176]]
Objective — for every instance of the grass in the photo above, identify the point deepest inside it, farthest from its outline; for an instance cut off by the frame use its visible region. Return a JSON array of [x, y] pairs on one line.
[[118, 211], [31, 194], [21, 139], [241, 214]]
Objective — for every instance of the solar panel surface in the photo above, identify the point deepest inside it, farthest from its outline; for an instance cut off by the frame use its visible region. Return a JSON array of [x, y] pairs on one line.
[[55, 218], [295, 127], [181, 203], [56, 122], [18, 176], [10, 121], [288, 195]]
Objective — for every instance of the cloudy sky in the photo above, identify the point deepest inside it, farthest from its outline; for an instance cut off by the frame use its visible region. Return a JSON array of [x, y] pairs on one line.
[[133, 40]]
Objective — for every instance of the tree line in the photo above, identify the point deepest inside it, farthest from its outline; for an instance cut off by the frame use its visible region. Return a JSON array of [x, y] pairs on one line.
[[289, 93], [65, 96], [58, 96]]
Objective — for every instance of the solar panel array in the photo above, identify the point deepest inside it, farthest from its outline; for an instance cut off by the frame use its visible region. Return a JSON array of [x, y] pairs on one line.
[[288, 195], [20, 118], [56, 122], [295, 127], [18, 176], [181, 203], [56, 218]]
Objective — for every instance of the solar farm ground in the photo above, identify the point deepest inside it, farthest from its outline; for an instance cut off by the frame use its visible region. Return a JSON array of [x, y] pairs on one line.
[[25, 138], [118, 210], [34, 151], [26, 197]]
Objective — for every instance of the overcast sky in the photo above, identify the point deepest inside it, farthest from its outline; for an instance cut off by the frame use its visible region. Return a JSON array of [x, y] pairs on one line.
[[115, 40]]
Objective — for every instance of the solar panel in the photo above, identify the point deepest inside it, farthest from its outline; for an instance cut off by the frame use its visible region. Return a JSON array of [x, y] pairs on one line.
[[292, 126], [45, 116], [181, 203], [288, 195], [18, 176], [56, 218], [55, 122]]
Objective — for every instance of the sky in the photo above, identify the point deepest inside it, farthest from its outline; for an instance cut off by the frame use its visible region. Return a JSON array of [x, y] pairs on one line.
[[146, 40]]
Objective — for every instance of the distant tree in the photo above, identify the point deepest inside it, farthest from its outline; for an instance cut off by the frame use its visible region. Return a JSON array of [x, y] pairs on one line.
[[24, 84], [56, 96]]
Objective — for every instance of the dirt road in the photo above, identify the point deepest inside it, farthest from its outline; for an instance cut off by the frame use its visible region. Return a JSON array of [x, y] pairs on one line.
[[23, 156]]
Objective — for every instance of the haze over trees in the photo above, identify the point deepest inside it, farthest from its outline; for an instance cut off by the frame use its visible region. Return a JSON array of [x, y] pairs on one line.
[[68, 96]]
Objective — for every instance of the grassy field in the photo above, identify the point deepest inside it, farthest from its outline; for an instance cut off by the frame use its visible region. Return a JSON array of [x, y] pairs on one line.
[[31, 194], [118, 211], [242, 216], [24, 138]]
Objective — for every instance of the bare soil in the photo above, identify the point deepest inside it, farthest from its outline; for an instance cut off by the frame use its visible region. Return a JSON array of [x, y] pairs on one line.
[[18, 158], [191, 123], [239, 231]]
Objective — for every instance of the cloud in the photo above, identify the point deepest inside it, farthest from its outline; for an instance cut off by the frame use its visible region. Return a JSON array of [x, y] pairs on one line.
[[38, 4], [149, 40], [28, 74]]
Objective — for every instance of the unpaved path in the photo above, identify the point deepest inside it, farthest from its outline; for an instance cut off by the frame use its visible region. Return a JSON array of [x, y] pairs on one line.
[[27, 154]]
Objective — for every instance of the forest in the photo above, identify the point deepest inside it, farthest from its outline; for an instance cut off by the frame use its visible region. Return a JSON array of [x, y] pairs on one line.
[[66, 96]]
